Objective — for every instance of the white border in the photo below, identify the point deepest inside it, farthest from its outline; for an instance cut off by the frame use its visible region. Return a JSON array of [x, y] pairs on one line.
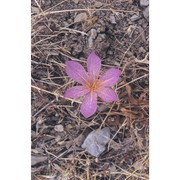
[[15, 90], [164, 90]]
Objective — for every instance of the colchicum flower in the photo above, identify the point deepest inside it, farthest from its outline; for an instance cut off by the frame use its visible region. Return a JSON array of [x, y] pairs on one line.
[[92, 86]]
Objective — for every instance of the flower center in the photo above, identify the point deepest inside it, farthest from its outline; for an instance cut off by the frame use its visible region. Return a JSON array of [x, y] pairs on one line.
[[93, 86]]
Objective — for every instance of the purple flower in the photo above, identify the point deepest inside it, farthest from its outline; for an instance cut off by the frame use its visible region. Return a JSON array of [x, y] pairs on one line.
[[92, 86]]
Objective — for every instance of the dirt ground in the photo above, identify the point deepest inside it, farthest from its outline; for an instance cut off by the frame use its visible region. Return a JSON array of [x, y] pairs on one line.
[[118, 30]]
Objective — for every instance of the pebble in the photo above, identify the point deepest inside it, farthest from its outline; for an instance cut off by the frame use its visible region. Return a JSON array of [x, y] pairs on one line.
[[141, 50], [80, 17], [76, 1], [59, 128], [98, 4], [93, 33], [110, 52], [112, 19], [35, 9], [144, 3], [134, 17], [101, 37], [101, 29], [37, 159], [146, 13], [90, 42]]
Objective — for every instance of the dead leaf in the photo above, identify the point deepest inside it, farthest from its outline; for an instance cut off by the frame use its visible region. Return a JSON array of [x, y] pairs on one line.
[[132, 99]]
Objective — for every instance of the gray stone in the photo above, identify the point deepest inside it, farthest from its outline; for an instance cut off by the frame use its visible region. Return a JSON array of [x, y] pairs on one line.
[[146, 13], [59, 128], [98, 4], [90, 42], [101, 37], [96, 141], [112, 19], [76, 1], [80, 17], [93, 33], [144, 3], [134, 17], [141, 50], [101, 29], [37, 159]]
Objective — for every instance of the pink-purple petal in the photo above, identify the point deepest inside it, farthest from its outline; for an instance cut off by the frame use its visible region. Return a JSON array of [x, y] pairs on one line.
[[76, 92], [89, 105], [93, 64], [76, 71], [110, 77], [107, 95]]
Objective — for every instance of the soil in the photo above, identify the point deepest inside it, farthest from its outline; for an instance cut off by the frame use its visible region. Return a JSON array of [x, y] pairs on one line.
[[118, 30]]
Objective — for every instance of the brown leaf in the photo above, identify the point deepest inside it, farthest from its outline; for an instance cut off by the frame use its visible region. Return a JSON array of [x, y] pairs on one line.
[[132, 99]]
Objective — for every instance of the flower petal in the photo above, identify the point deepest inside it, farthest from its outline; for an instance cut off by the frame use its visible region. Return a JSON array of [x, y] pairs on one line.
[[76, 71], [76, 92], [107, 95], [89, 105], [93, 64], [110, 77]]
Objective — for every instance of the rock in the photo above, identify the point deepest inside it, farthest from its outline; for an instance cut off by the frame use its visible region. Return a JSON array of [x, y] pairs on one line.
[[144, 3], [35, 10], [93, 33], [110, 52], [134, 17], [59, 128], [101, 29], [96, 141], [37, 159], [112, 19], [90, 42], [76, 1], [46, 2], [146, 13], [141, 50], [80, 17], [102, 36], [98, 4]]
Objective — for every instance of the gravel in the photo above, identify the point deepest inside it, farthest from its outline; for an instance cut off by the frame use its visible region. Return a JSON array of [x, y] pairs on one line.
[[146, 13], [144, 3]]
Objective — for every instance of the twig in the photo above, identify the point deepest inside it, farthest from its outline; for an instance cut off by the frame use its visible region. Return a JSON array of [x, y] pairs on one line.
[[132, 81], [55, 94], [131, 46], [43, 108]]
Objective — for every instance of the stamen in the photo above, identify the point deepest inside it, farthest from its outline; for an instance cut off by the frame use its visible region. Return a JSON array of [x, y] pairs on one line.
[[93, 85]]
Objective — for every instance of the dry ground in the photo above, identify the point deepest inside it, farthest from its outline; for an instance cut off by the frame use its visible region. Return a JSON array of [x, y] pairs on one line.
[[118, 31]]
